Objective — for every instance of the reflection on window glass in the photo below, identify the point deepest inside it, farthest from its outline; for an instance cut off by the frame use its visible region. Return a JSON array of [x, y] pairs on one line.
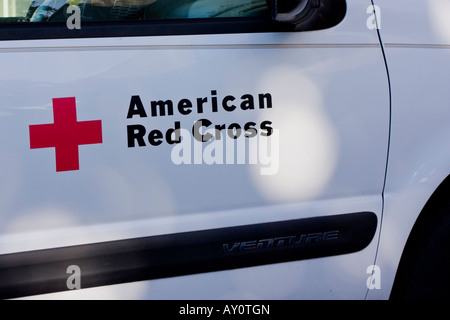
[[110, 10]]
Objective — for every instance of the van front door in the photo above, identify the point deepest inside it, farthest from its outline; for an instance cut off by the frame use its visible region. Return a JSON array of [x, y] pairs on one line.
[[241, 143]]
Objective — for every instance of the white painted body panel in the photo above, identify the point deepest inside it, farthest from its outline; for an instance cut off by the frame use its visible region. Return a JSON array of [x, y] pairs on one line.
[[417, 44], [330, 104]]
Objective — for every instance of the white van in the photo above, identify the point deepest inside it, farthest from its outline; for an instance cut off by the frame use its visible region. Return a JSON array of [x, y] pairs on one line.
[[224, 149]]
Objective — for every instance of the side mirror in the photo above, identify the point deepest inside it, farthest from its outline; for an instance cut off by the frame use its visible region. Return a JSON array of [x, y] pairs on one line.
[[305, 15]]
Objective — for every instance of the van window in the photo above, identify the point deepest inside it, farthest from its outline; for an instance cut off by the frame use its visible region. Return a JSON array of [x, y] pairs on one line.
[[45, 11]]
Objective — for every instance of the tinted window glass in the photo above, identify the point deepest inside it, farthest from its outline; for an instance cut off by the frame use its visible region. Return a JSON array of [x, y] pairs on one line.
[[113, 10]]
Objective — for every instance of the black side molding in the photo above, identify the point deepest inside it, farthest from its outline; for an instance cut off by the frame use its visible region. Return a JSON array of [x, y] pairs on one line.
[[106, 263]]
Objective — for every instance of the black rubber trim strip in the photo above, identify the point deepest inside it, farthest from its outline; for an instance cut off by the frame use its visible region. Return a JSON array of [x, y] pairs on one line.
[[106, 263], [99, 29]]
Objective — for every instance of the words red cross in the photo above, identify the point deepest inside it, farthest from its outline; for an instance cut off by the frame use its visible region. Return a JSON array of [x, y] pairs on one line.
[[65, 134]]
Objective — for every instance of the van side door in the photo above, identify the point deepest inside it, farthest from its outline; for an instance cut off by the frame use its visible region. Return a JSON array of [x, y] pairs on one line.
[[172, 145]]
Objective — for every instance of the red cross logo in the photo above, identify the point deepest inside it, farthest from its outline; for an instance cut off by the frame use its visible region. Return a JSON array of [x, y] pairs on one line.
[[65, 134]]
